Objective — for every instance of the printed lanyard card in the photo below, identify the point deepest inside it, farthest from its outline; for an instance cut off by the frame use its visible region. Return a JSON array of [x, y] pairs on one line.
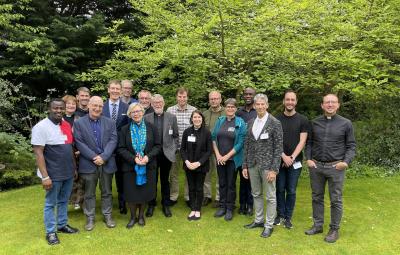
[[191, 139]]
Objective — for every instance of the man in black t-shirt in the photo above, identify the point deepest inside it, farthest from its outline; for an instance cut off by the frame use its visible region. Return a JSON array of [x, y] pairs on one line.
[[295, 129]]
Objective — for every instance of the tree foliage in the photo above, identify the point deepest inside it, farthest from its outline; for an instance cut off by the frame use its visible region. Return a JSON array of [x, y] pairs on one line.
[[311, 46]]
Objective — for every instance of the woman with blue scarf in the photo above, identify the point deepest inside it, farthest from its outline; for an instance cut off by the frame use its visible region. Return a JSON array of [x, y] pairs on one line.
[[138, 148]]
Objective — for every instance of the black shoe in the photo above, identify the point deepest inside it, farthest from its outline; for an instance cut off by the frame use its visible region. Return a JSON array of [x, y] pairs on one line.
[[141, 222], [206, 201], [67, 229], [242, 210], [187, 203], [277, 221], [131, 223], [166, 211], [52, 239], [110, 223], [216, 204], [150, 211], [332, 236], [220, 212], [314, 230], [288, 224], [122, 208], [254, 225], [89, 224], [267, 232], [228, 215], [250, 210], [172, 202]]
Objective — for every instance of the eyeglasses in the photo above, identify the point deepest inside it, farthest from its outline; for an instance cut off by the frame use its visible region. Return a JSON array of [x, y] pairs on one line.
[[136, 112]]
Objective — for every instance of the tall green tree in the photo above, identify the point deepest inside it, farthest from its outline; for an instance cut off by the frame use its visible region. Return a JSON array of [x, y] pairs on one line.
[[311, 46]]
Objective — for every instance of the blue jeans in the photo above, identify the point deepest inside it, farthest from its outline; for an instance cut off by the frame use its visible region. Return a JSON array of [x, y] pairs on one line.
[[58, 197], [286, 182]]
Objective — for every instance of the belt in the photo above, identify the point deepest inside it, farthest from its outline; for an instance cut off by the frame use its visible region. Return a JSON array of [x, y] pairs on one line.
[[327, 163]]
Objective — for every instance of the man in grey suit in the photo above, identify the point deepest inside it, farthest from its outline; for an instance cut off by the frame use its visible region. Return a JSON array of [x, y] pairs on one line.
[[168, 136], [262, 152], [96, 139]]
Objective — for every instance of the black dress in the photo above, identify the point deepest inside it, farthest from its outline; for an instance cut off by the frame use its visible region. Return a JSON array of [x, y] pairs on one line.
[[134, 193]]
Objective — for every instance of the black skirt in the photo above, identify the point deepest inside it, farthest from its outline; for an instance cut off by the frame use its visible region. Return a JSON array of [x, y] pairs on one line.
[[140, 194]]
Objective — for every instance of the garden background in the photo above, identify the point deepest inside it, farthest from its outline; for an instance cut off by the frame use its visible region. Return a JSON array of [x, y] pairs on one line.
[[352, 48]]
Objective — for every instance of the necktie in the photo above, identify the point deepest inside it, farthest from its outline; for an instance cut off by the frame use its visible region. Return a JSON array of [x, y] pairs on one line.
[[114, 112]]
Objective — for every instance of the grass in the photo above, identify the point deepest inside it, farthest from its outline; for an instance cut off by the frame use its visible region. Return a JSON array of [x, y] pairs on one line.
[[370, 225]]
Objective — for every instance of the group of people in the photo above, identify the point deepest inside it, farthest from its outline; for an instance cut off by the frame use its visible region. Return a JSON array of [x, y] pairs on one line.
[[85, 141]]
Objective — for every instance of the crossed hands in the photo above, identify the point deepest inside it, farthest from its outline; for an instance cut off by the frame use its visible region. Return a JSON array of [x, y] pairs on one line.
[[139, 160], [98, 161], [221, 160], [192, 166]]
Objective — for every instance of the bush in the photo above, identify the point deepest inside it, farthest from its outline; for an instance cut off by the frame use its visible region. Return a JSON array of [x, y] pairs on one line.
[[17, 162]]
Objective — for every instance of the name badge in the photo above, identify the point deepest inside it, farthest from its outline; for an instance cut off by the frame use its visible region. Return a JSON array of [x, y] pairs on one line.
[[296, 165], [191, 139], [231, 129], [64, 137], [264, 136], [170, 132]]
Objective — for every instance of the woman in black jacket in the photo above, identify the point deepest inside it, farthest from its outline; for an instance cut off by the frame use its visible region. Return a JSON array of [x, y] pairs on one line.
[[196, 148], [138, 148]]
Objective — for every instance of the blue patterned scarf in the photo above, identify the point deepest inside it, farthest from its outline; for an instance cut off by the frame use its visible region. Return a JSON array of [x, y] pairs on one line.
[[138, 136]]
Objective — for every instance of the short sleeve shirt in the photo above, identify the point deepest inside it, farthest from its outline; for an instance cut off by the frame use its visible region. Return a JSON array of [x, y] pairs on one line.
[[58, 153]]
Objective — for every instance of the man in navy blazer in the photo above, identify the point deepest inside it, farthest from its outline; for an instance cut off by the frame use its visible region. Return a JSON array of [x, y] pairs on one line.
[[96, 139], [116, 110]]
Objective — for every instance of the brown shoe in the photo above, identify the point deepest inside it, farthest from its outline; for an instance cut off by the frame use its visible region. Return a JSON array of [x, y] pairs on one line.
[[332, 236]]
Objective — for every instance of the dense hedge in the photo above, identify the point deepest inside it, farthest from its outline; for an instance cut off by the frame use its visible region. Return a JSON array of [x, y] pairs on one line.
[[17, 162]]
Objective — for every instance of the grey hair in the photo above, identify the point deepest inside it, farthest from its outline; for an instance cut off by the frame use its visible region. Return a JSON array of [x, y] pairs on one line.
[[132, 106], [261, 97], [127, 82], [230, 101], [157, 96]]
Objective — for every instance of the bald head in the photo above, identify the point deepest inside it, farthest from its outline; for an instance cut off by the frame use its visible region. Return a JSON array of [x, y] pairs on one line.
[[215, 99], [95, 107]]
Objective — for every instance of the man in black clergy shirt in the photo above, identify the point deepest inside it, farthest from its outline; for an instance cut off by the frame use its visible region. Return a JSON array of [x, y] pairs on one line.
[[330, 149]]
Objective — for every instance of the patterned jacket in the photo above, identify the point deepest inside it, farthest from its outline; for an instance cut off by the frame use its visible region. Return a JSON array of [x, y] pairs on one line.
[[265, 153]]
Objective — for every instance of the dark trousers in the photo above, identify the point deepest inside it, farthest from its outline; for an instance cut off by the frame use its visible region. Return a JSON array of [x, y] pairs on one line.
[[245, 197], [163, 168], [286, 184], [227, 185], [195, 181], [335, 178], [91, 180]]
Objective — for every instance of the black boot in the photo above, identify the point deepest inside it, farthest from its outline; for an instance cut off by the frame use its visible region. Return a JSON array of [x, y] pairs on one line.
[[132, 221]]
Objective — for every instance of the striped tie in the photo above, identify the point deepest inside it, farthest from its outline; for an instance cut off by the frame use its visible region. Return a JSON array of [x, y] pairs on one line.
[[114, 112]]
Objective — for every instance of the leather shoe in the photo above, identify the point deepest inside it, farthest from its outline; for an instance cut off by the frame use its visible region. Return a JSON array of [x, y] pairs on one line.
[[52, 239], [206, 201], [131, 223], [150, 211], [172, 202], [267, 232], [123, 210], [332, 236], [89, 224], [67, 229], [242, 210], [166, 211], [314, 230], [220, 212], [110, 223], [228, 215], [250, 210], [141, 222], [254, 225]]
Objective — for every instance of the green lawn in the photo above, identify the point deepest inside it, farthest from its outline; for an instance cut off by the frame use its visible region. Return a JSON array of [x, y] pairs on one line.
[[371, 225]]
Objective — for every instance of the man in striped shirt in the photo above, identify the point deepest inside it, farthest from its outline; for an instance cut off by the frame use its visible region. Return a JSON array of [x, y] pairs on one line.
[[182, 110]]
